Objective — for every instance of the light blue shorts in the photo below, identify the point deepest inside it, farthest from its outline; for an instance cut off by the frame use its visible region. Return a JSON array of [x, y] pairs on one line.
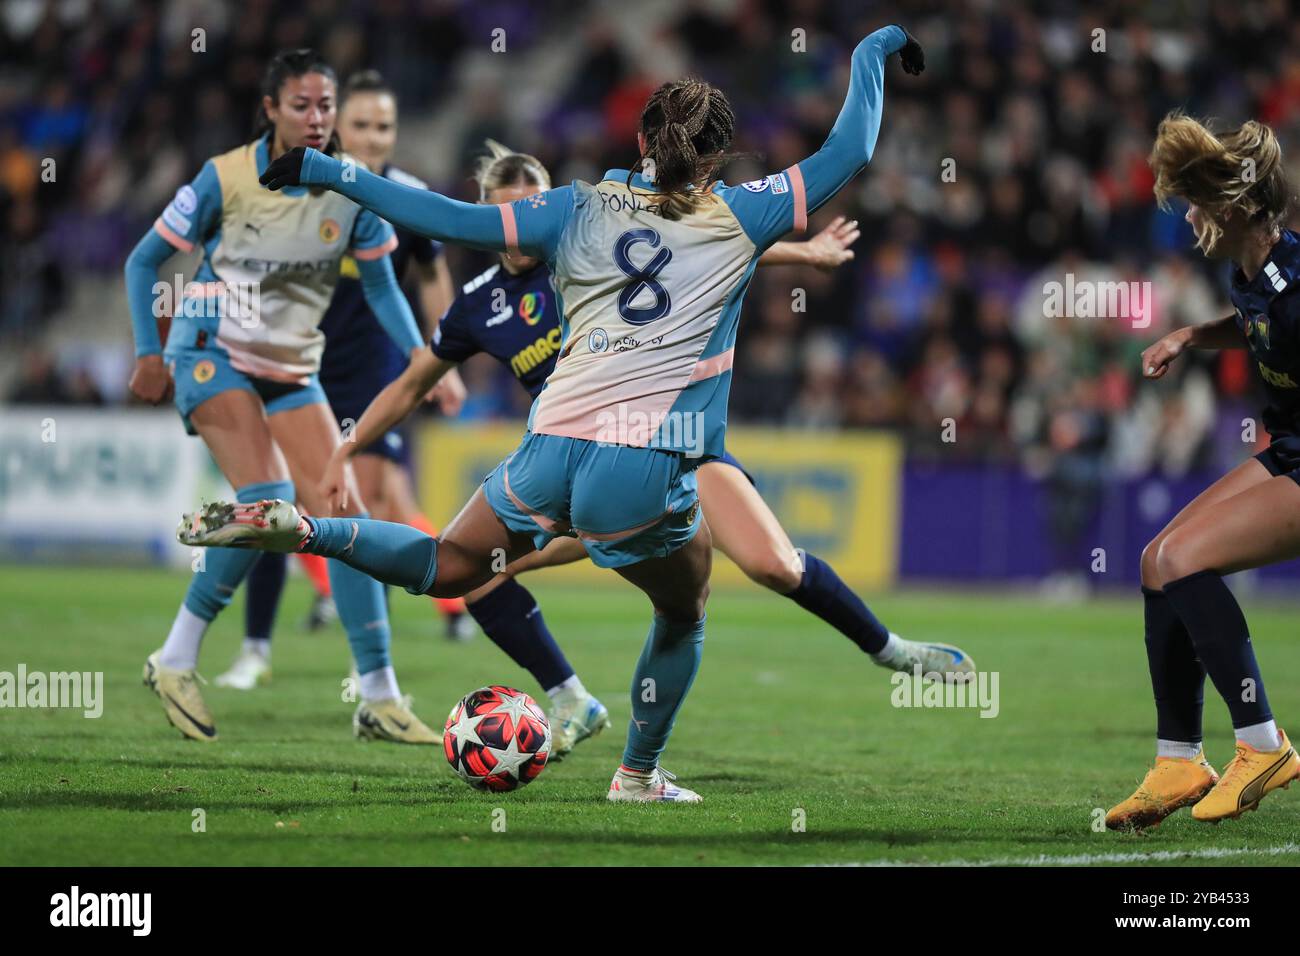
[[624, 504], [201, 373]]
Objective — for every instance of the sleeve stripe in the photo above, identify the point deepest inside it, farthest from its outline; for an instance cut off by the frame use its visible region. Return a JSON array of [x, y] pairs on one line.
[[375, 252], [511, 230], [800, 198], [184, 245], [712, 367]]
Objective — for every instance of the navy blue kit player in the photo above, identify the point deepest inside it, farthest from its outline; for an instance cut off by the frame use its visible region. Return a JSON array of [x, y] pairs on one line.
[[1238, 200]]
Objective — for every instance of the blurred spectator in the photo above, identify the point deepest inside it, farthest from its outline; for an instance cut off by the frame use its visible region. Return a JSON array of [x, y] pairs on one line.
[[42, 383]]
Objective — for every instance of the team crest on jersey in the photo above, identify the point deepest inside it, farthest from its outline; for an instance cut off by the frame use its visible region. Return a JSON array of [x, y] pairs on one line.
[[186, 201], [329, 231], [776, 182], [203, 371], [531, 307], [598, 340], [1259, 331]]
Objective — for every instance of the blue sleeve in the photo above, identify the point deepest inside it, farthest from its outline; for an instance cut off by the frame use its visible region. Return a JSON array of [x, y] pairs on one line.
[[141, 278], [389, 305], [431, 214], [452, 339], [538, 222], [191, 216], [769, 208], [371, 236]]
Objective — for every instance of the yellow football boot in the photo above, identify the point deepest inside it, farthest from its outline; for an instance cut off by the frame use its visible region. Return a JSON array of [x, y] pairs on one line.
[[179, 692], [1250, 776], [1173, 783], [392, 720]]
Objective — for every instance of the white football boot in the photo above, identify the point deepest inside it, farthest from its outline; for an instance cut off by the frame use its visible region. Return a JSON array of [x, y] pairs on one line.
[[249, 670], [575, 718], [937, 662], [270, 525], [179, 692], [650, 786]]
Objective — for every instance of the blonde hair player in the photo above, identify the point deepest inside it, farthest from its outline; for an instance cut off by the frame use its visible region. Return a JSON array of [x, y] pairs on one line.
[[1238, 200]]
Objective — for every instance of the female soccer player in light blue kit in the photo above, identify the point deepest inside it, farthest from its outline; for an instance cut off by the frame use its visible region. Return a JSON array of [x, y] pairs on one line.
[[243, 353], [650, 270], [524, 336]]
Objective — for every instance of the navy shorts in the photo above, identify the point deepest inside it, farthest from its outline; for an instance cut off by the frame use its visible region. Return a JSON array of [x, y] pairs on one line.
[[348, 400], [727, 458], [1282, 457], [393, 446]]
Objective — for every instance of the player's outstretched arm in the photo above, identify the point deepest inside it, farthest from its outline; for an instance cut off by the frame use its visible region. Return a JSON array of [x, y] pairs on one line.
[[529, 226], [769, 208], [852, 139], [391, 406]]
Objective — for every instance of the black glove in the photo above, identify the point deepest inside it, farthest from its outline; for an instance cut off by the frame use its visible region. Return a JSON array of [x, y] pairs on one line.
[[285, 170], [911, 56]]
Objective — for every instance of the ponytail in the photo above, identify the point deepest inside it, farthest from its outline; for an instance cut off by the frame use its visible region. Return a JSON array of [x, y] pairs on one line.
[[687, 126]]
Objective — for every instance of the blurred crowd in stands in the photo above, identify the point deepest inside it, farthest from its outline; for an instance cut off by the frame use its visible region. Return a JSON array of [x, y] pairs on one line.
[[1016, 159]]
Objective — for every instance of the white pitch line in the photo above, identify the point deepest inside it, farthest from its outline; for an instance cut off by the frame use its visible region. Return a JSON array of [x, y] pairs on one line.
[[1091, 859]]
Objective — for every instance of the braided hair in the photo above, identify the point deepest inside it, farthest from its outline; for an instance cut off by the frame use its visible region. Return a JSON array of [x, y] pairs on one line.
[[687, 125]]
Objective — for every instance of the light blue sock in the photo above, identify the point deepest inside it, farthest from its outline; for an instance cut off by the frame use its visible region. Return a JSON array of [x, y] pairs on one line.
[[224, 568], [363, 610], [662, 679], [393, 553]]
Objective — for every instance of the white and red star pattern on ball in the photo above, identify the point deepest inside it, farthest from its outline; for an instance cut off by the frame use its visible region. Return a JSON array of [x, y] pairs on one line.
[[497, 738]]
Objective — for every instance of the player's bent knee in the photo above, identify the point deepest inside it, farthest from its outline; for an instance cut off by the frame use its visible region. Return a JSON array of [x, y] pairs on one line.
[[459, 572], [688, 609], [1176, 557], [1149, 565], [775, 572]]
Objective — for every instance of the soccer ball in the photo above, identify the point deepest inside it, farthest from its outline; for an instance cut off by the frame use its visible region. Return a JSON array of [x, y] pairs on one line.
[[497, 738]]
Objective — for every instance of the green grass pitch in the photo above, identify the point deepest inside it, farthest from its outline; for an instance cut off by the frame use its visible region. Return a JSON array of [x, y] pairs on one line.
[[787, 721]]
